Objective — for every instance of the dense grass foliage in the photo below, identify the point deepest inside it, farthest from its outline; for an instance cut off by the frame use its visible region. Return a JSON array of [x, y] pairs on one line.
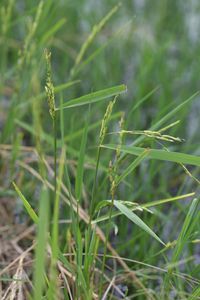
[[99, 118]]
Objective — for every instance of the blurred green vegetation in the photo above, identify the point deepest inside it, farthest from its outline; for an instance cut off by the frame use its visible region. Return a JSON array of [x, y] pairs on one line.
[[150, 46]]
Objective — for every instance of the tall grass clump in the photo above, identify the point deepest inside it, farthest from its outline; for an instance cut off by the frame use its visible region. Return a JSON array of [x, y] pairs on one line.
[[99, 151]]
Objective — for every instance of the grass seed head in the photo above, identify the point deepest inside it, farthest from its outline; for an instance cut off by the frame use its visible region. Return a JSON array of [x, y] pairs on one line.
[[49, 85], [105, 120]]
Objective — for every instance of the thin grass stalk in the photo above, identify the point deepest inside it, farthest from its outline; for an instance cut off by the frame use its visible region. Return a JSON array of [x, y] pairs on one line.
[[52, 111], [55, 154], [102, 134], [106, 243], [75, 220], [91, 232], [101, 139], [113, 174]]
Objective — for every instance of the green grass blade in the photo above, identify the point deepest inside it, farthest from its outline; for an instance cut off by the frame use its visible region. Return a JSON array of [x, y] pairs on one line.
[[80, 168], [49, 139], [141, 101], [95, 97], [96, 29], [121, 32], [104, 203], [159, 154], [78, 191], [42, 95], [167, 200], [196, 294], [35, 218], [40, 252], [132, 166], [70, 137], [57, 205], [66, 263], [52, 30], [8, 127], [136, 220], [55, 229], [26, 204], [187, 225], [167, 117], [173, 112], [182, 240]]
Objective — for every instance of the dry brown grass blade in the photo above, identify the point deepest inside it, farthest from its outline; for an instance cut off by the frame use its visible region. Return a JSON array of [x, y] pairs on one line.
[[15, 261], [108, 289], [6, 147], [64, 276], [115, 287], [14, 291]]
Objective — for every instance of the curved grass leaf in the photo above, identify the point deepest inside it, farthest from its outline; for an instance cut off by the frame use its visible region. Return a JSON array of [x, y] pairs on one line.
[[52, 30], [141, 101], [136, 220], [174, 111], [95, 97], [28, 207], [104, 203], [120, 32], [95, 30], [159, 154], [42, 95], [132, 166]]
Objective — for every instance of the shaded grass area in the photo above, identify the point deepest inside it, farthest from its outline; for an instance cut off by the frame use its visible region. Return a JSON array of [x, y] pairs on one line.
[[99, 150]]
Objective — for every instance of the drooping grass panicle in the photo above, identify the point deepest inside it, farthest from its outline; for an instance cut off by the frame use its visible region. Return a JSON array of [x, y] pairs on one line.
[[152, 134], [49, 85]]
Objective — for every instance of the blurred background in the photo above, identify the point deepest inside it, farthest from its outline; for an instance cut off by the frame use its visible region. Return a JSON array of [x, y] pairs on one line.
[[144, 45]]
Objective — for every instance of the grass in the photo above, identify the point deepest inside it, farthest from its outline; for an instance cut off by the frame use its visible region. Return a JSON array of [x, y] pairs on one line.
[[99, 150]]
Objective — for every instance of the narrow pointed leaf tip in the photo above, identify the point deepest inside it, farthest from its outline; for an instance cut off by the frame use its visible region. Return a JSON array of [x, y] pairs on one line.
[[135, 219], [26, 204], [94, 97]]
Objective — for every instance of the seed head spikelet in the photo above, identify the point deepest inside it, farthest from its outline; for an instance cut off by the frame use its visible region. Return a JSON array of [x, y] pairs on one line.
[[49, 85], [106, 119]]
